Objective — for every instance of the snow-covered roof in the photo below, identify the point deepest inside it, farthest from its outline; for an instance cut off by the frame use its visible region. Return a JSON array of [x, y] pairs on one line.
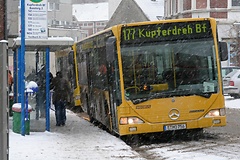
[[152, 9], [54, 43], [91, 11]]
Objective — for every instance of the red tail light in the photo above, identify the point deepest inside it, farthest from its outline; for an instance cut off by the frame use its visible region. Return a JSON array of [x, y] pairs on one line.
[[231, 83]]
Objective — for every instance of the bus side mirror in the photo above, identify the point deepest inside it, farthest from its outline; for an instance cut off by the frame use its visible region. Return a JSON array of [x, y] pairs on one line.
[[111, 49], [223, 51]]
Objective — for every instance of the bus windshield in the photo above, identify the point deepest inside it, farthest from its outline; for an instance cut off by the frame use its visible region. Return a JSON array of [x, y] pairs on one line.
[[175, 68]]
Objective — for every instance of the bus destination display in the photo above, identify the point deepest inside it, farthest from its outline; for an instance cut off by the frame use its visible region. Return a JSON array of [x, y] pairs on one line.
[[166, 31]]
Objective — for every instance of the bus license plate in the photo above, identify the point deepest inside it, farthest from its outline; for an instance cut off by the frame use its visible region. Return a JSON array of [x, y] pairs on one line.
[[174, 127]]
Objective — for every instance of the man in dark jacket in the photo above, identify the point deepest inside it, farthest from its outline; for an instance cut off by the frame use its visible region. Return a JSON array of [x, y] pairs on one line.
[[61, 92]]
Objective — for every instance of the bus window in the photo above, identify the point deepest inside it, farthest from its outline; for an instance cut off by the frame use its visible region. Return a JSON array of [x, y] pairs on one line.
[[177, 64]]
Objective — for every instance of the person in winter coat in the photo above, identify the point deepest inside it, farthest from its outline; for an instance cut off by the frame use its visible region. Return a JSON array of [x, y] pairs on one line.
[[10, 81], [61, 91]]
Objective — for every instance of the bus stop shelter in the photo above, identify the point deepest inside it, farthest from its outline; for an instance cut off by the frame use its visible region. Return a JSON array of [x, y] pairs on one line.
[[46, 45]]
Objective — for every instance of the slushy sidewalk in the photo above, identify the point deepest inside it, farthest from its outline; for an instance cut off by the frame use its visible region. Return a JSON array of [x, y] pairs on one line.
[[77, 140]]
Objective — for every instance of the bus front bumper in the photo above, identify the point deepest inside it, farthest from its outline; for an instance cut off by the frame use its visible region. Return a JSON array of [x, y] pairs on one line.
[[171, 126]]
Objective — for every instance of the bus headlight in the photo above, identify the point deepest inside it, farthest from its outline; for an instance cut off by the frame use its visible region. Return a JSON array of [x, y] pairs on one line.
[[216, 112], [130, 120]]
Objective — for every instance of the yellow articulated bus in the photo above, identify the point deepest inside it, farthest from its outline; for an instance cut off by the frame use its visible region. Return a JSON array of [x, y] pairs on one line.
[[153, 76], [65, 62]]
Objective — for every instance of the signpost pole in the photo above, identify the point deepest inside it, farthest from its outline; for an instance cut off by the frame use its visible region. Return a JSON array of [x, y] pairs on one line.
[[47, 90], [22, 68]]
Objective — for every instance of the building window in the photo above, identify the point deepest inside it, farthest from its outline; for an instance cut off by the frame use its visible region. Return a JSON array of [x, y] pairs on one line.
[[50, 22], [174, 6], [218, 15], [56, 22], [100, 24], [187, 4], [235, 2], [168, 7], [53, 6], [56, 6], [50, 6], [217, 4], [201, 4]]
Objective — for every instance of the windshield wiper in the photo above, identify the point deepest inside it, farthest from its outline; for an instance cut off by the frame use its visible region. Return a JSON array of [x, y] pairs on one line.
[[197, 92], [140, 100], [152, 96], [205, 95], [174, 93]]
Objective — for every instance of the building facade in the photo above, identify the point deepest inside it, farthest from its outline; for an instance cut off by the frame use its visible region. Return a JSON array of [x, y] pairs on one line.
[[60, 20], [129, 11], [226, 12], [60, 24], [59, 16], [90, 17]]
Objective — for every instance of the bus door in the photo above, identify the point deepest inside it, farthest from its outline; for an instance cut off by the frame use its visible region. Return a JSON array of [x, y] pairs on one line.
[[71, 76], [89, 91], [113, 80]]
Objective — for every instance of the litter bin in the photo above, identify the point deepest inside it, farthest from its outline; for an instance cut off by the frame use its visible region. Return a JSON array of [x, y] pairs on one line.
[[10, 104], [16, 108]]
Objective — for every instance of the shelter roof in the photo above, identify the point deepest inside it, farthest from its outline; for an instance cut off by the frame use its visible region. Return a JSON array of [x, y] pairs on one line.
[[54, 43]]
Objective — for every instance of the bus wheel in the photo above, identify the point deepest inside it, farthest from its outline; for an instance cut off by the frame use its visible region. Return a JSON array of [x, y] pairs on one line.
[[132, 140], [91, 119], [194, 134]]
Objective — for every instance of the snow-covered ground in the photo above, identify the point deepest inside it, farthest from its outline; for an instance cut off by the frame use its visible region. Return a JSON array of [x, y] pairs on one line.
[[79, 139], [232, 103]]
